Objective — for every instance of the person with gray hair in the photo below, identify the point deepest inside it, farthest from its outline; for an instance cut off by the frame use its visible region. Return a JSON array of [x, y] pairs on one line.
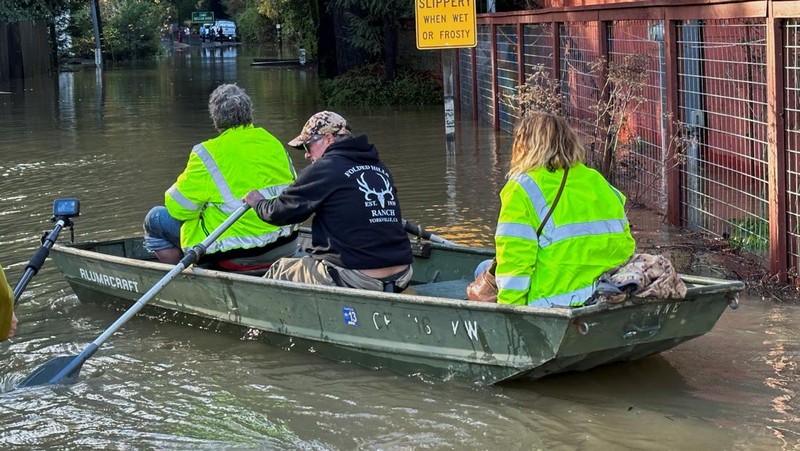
[[229, 107], [220, 171]]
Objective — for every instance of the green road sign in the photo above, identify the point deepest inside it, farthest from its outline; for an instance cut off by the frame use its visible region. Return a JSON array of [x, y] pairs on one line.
[[202, 17]]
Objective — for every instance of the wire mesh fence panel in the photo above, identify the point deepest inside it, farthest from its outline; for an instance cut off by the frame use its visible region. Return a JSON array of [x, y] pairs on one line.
[[579, 83], [718, 134], [537, 47], [506, 42], [465, 81], [636, 48], [483, 60], [792, 118], [722, 89]]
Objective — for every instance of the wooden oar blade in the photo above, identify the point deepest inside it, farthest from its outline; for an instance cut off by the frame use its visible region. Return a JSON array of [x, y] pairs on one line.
[[44, 374]]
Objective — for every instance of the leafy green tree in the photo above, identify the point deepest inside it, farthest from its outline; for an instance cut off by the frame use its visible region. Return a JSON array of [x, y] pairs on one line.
[[76, 23], [296, 19], [181, 10], [252, 26], [235, 7], [133, 27], [372, 26], [58, 14], [23, 10]]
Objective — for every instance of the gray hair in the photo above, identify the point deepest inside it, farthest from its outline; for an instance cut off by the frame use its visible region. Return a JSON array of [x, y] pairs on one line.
[[230, 107]]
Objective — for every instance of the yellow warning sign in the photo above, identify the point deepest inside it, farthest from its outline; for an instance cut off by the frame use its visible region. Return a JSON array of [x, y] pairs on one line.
[[443, 24]]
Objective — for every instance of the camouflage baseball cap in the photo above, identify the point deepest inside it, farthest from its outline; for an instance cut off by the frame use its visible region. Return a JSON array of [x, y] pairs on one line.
[[321, 123]]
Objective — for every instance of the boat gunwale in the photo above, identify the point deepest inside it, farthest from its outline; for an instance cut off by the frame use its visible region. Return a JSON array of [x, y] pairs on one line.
[[694, 293]]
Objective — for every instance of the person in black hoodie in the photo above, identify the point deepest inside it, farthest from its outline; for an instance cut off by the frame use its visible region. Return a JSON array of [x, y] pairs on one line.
[[357, 234]]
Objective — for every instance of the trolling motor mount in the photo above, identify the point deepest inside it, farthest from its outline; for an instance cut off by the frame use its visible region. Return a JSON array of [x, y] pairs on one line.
[[64, 209]]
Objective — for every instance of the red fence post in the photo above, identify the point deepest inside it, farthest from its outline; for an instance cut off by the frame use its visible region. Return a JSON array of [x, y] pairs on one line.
[[474, 56], [495, 96], [556, 32], [673, 173], [776, 148], [520, 54], [603, 146]]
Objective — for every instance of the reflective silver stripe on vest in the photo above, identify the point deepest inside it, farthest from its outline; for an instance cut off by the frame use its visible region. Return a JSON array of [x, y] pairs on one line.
[[583, 229], [216, 175], [552, 234], [229, 202], [272, 191], [576, 297], [617, 193], [178, 197], [511, 229], [513, 282], [248, 242], [537, 200], [269, 193]]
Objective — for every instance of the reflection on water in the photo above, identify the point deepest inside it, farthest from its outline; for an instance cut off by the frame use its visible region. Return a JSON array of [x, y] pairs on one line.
[[783, 350], [117, 139]]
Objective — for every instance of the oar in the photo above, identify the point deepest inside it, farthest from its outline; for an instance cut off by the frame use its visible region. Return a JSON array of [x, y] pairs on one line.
[[416, 230], [65, 369]]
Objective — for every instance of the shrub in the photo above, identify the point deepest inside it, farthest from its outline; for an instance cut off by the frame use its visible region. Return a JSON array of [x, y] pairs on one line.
[[133, 29], [750, 233], [253, 27], [367, 86]]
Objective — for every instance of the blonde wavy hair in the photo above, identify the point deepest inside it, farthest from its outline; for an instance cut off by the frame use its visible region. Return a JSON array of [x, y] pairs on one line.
[[544, 140]]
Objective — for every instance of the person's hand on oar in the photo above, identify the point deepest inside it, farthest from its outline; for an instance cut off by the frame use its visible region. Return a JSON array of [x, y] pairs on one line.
[[253, 198]]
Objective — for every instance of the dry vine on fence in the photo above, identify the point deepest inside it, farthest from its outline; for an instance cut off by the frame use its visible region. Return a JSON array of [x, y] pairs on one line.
[[615, 130]]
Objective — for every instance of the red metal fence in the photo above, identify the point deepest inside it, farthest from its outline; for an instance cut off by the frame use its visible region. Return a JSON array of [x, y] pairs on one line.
[[723, 76]]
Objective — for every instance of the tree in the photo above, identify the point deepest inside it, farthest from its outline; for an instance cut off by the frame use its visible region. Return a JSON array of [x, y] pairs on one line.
[[133, 27], [251, 25], [22, 10], [296, 19], [372, 27]]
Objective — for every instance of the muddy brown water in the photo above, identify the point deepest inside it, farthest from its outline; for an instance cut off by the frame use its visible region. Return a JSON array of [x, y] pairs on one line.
[[117, 139]]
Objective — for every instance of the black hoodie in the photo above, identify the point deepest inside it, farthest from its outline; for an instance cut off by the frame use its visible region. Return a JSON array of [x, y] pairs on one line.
[[357, 222]]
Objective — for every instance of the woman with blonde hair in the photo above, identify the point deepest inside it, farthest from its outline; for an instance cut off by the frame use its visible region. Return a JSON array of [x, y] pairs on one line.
[[561, 224]]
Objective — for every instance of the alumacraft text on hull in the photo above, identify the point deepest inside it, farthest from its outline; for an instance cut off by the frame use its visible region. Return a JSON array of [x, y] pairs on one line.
[[428, 331]]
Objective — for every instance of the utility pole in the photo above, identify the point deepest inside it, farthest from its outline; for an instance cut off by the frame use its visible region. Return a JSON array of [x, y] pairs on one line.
[[94, 8]]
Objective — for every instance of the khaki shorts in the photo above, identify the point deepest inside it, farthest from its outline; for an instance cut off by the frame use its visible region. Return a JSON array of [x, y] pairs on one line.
[[308, 270]]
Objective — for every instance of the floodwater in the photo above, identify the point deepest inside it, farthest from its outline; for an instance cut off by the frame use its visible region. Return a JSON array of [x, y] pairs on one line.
[[117, 139]]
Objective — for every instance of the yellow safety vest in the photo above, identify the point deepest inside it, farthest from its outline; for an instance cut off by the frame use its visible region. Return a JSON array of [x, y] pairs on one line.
[[220, 172], [6, 306], [587, 234]]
